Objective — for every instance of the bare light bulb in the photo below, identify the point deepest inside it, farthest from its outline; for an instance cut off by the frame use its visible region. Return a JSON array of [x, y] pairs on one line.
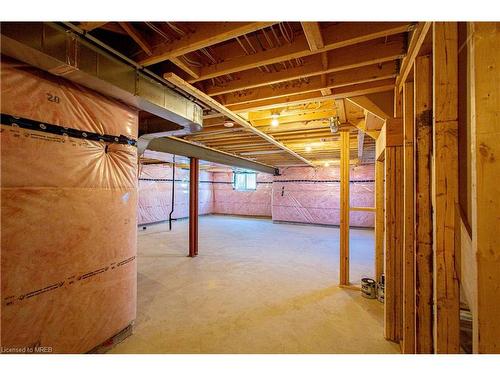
[[275, 122], [308, 148], [327, 164]]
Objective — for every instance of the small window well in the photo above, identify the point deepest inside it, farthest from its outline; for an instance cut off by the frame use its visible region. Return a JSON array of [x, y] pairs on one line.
[[244, 181]]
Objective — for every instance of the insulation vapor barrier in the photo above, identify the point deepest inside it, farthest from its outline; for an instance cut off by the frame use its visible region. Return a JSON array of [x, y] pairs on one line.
[[68, 211], [155, 193], [309, 195]]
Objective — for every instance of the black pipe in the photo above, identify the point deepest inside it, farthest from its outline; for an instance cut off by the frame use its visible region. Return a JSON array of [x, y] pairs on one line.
[[173, 196]]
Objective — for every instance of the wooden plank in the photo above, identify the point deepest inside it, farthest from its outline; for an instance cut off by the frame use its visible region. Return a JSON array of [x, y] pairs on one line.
[[393, 306], [89, 26], [313, 35], [423, 207], [484, 60], [408, 343], [344, 208], [364, 102], [379, 218], [361, 141], [335, 36], [179, 82], [338, 93], [367, 209], [207, 34], [337, 60], [445, 186], [416, 43], [137, 37], [191, 70], [344, 78]]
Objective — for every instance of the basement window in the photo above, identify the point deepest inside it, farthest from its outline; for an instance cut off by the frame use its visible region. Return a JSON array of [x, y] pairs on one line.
[[243, 181]]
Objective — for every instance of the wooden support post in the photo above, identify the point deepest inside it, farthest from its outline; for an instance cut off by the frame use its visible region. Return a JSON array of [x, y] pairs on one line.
[[344, 208], [423, 208], [484, 60], [193, 206], [393, 312], [379, 218], [408, 346], [445, 186]]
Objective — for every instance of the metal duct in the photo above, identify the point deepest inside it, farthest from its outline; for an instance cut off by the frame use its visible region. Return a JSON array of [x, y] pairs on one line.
[[62, 52]]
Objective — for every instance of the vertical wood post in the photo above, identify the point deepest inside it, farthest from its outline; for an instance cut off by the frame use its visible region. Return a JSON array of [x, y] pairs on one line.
[[484, 60], [379, 218], [393, 307], [193, 206], [408, 346], [423, 207], [445, 186], [344, 207]]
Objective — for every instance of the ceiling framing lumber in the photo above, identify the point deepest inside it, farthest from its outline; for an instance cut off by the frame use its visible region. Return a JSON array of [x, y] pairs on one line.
[[333, 80], [207, 34], [335, 36], [89, 26], [313, 35], [137, 37], [338, 93], [341, 59], [366, 103], [191, 90], [417, 40]]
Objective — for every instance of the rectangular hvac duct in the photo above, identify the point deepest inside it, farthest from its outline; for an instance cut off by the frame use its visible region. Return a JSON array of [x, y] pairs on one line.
[[62, 52]]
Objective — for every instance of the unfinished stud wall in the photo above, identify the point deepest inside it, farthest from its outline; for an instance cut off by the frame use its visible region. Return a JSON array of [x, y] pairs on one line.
[[155, 193], [232, 202], [312, 195], [68, 211]]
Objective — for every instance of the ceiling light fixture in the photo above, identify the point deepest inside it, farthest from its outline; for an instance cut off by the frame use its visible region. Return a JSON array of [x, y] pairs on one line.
[[275, 122], [327, 164], [228, 124], [308, 148]]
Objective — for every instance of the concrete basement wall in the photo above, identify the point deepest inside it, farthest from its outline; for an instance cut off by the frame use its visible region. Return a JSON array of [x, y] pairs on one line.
[[312, 195], [155, 193], [300, 194]]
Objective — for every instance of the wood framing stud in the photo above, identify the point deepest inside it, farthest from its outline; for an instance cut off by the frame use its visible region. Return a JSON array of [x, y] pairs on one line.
[[344, 207]]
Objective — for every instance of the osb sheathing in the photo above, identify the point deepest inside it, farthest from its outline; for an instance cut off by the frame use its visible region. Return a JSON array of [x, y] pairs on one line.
[[68, 211]]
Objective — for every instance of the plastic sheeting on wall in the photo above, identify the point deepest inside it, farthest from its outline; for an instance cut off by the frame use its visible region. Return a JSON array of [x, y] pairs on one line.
[[155, 193], [232, 202], [309, 195], [68, 212]]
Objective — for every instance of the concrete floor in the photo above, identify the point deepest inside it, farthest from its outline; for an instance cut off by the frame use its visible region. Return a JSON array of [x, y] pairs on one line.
[[256, 287]]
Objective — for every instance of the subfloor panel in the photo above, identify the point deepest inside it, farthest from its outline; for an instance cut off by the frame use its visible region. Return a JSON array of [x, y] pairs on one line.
[[256, 287]]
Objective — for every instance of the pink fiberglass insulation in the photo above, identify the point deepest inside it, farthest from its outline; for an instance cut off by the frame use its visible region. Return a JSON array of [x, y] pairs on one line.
[[155, 193], [232, 202], [312, 195], [68, 211]]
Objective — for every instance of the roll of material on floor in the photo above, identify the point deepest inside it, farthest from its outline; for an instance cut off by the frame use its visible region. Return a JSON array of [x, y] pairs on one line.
[[68, 211]]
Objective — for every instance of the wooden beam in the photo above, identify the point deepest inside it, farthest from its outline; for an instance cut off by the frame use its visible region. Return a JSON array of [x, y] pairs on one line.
[[484, 60], [180, 62], [361, 140], [393, 297], [313, 35], [350, 57], [379, 218], [423, 208], [137, 37], [89, 26], [408, 343], [335, 36], [207, 34], [344, 208], [366, 103], [445, 187], [418, 38], [179, 82], [337, 93], [334, 80]]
